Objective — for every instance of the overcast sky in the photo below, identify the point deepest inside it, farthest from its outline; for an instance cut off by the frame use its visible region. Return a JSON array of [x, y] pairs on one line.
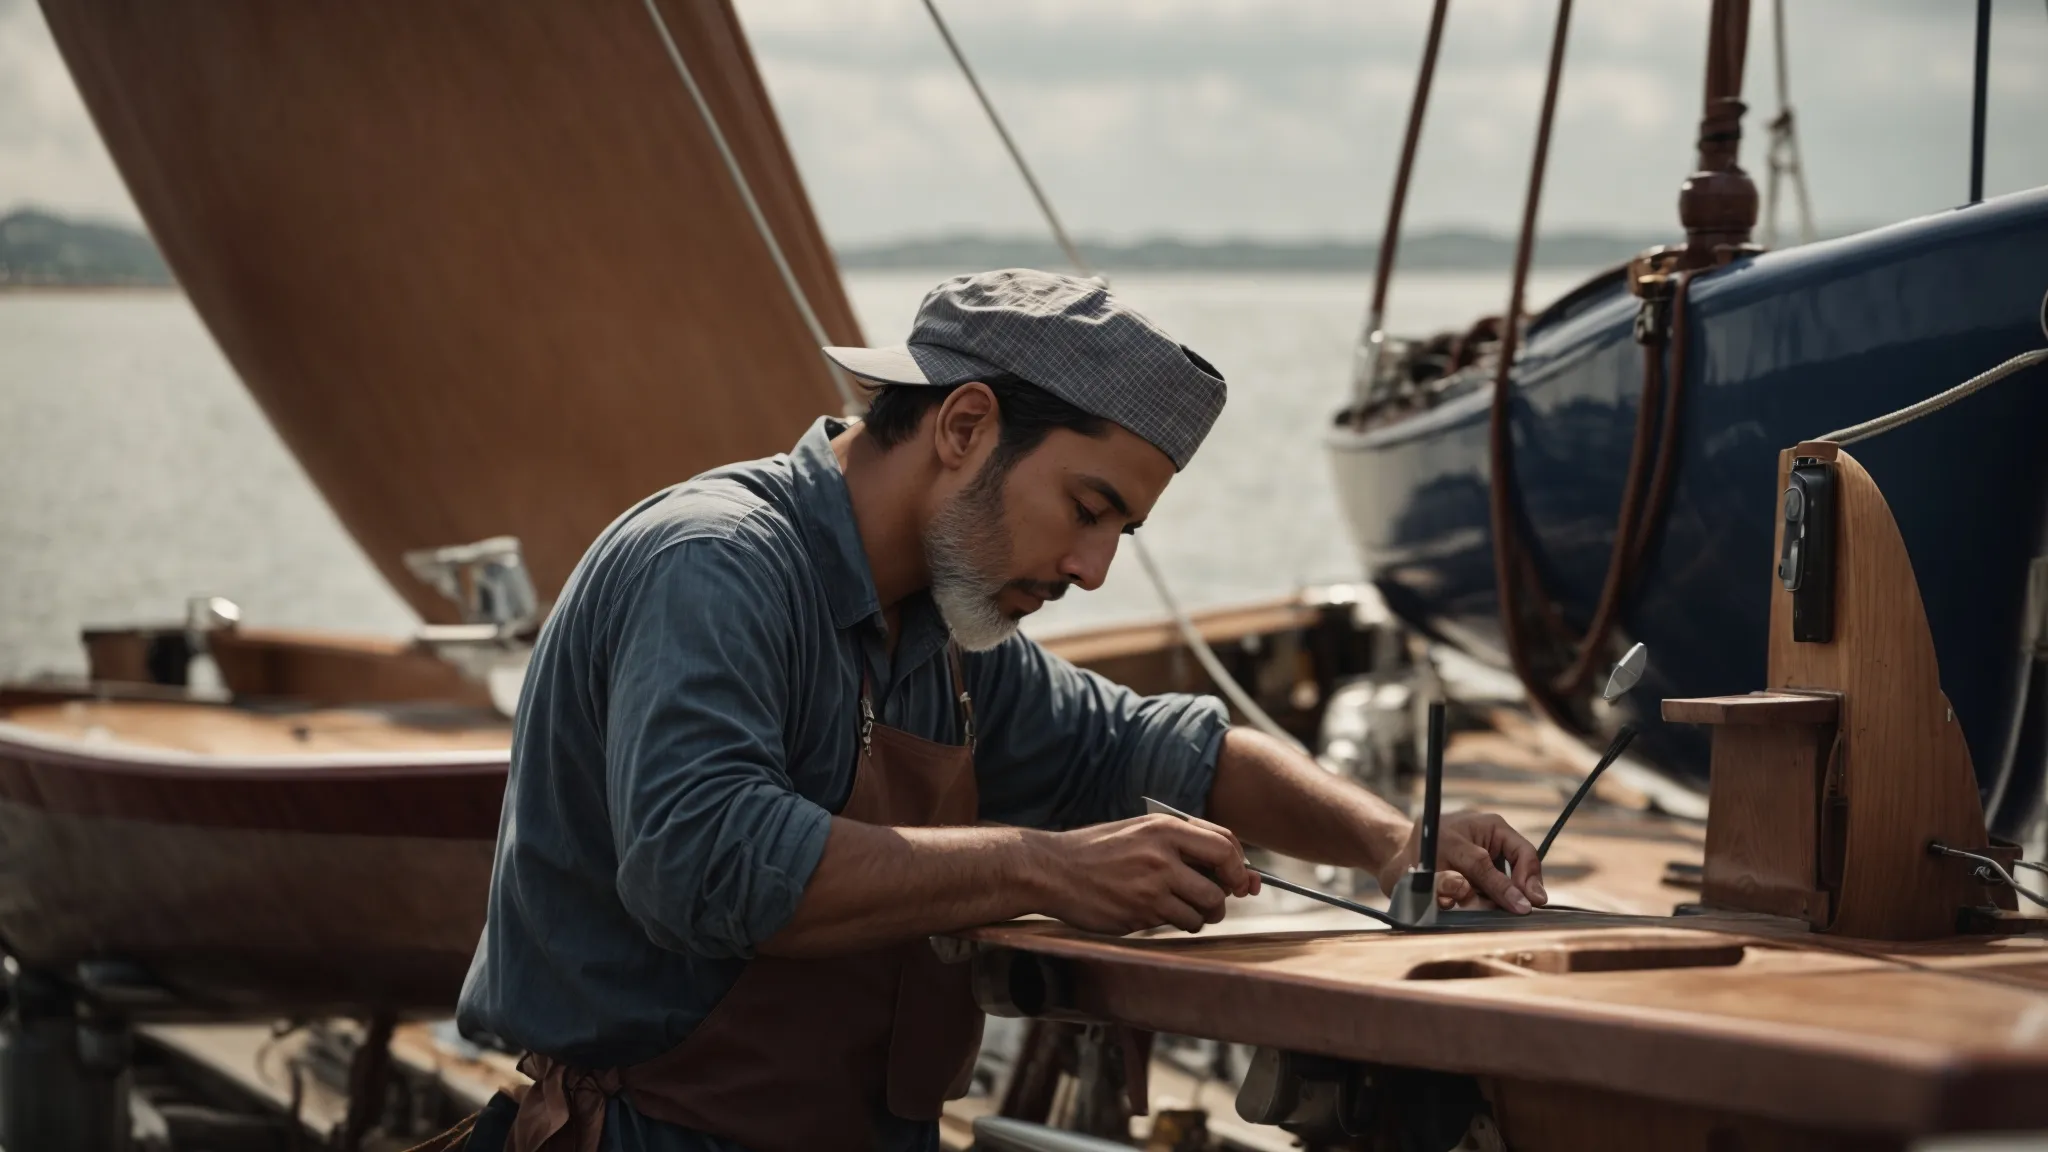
[[1210, 118]]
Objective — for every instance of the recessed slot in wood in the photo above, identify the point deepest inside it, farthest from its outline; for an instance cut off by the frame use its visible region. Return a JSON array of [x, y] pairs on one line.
[[1559, 961]]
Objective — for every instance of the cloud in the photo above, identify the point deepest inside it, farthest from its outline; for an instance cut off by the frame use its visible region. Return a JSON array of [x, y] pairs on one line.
[[50, 154], [1214, 118]]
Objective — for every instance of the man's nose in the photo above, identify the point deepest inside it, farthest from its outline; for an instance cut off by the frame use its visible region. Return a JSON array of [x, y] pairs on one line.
[[1088, 564]]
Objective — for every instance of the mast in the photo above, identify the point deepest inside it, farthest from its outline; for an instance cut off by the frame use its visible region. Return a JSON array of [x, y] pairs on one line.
[[1718, 201]]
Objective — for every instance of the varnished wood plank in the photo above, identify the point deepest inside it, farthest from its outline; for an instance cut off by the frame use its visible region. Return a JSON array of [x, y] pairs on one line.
[[337, 669], [1906, 765], [1755, 708], [1875, 1037]]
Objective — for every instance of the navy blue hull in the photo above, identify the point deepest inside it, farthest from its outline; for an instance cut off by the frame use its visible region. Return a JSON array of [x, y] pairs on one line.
[[1784, 348]]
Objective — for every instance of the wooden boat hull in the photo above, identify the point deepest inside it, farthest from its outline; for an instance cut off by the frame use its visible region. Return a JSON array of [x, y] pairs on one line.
[[1783, 348], [251, 886], [293, 859]]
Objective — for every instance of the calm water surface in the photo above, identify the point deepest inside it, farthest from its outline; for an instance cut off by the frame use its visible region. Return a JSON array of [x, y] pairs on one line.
[[135, 471]]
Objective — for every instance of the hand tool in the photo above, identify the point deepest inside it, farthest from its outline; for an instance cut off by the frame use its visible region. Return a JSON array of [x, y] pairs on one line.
[[1627, 672], [1156, 808]]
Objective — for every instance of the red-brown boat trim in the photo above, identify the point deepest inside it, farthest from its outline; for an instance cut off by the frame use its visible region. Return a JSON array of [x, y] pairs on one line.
[[437, 795]]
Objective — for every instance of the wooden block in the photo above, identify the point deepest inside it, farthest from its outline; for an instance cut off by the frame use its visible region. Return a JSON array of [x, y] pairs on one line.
[[1755, 708], [1763, 849]]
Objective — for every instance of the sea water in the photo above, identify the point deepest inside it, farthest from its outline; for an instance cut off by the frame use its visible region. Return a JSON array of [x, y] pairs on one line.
[[135, 471]]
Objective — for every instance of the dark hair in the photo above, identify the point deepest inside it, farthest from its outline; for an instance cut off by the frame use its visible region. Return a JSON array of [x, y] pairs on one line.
[[1027, 413]]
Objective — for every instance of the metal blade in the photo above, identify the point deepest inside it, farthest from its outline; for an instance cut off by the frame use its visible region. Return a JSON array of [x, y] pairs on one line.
[[1627, 672]]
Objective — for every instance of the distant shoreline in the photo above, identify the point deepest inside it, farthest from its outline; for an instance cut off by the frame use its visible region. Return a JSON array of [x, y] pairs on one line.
[[87, 289], [1438, 251], [40, 252]]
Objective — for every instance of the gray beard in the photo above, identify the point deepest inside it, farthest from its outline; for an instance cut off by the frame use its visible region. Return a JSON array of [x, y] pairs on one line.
[[966, 552]]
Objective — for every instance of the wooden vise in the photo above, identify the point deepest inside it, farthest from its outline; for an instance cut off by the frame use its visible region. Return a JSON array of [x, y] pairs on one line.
[[1827, 788]]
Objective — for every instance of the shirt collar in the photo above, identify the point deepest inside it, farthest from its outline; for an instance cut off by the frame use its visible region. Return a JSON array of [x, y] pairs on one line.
[[825, 509]]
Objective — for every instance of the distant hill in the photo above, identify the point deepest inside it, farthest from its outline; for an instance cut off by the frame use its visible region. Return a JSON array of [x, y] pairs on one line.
[[38, 249], [1453, 250]]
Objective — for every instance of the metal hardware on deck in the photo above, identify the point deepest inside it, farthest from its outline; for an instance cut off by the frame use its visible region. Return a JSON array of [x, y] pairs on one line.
[[63, 1072], [1653, 315], [1017, 984], [1806, 564], [1323, 1098], [1000, 1134], [205, 614], [487, 580], [1305, 1094], [1988, 870], [1413, 901], [1628, 672]]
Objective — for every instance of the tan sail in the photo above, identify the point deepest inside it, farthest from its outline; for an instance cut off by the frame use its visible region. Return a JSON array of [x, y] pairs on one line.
[[480, 263]]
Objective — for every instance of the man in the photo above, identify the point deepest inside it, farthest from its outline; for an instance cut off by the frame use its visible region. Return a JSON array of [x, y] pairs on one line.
[[780, 729]]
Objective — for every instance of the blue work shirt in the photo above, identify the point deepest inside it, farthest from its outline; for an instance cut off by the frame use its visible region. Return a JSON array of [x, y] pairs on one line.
[[689, 723]]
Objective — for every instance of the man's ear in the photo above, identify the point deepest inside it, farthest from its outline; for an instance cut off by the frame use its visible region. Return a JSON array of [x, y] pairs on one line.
[[969, 423]]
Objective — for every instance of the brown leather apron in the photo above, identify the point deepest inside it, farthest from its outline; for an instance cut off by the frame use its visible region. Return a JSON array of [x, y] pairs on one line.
[[804, 1054]]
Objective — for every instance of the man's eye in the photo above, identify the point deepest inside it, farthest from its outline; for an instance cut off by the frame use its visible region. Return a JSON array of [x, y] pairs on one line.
[[1088, 519]]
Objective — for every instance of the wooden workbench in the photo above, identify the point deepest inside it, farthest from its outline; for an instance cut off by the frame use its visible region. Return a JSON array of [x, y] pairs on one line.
[[1748, 1022]]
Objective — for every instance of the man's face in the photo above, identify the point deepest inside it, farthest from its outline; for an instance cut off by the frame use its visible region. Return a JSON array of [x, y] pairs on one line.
[[1007, 542]]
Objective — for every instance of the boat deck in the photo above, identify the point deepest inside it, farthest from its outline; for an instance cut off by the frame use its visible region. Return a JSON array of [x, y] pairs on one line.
[[211, 730]]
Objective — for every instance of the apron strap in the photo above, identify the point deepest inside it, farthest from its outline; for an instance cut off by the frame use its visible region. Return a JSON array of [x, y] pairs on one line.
[[963, 701], [867, 710], [960, 694]]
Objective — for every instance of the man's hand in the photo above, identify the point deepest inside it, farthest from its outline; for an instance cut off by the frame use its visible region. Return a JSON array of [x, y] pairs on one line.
[[1138, 874], [1467, 844]]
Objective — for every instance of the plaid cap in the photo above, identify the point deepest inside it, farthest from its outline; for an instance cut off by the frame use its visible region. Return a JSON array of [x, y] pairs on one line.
[[1066, 335]]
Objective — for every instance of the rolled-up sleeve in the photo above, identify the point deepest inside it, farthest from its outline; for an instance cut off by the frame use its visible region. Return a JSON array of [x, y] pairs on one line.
[[714, 845], [1061, 747]]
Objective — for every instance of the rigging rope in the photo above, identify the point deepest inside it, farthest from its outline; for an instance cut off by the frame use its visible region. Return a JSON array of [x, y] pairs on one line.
[[1978, 100], [1052, 220], [1643, 490], [1715, 229], [1783, 151], [1987, 870], [746, 191], [1365, 362], [1506, 571], [1937, 402], [1207, 657], [1940, 400], [1185, 624]]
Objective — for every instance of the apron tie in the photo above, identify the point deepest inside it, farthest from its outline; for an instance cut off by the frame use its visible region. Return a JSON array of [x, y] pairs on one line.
[[564, 1109]]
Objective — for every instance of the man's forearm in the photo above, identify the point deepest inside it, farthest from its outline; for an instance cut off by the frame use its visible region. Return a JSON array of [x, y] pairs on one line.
[[877, 885], [1277, 798]]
